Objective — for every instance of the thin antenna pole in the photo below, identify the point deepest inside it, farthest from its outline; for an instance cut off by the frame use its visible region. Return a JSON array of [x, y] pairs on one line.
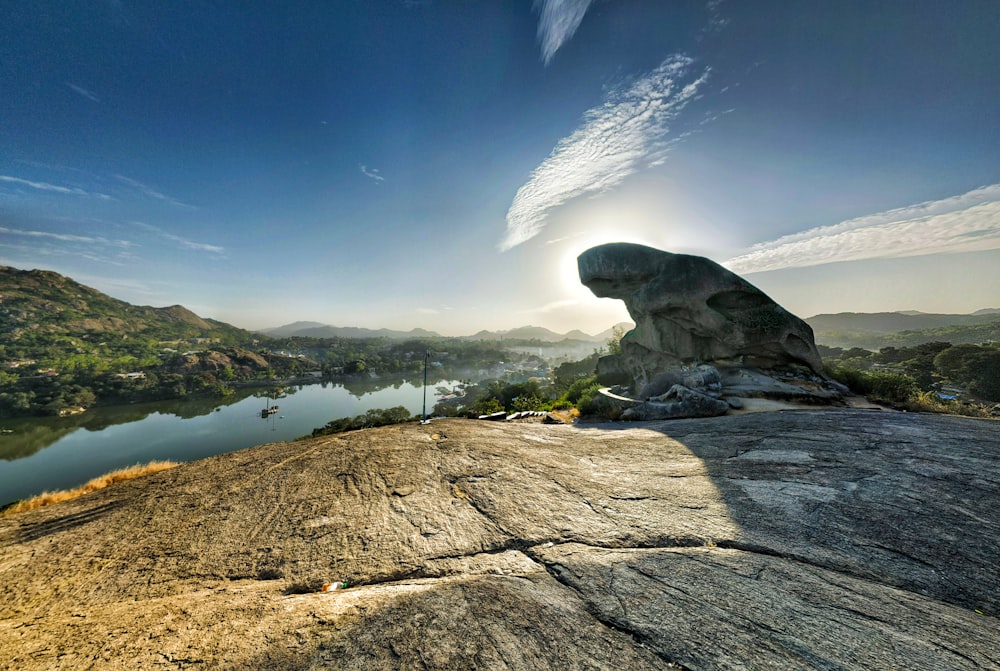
[[424, 416]]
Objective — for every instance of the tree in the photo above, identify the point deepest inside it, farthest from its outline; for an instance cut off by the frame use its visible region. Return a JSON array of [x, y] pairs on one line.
[[977, 366], [615, 341]]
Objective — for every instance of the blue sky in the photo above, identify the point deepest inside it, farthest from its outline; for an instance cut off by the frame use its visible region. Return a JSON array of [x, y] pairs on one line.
[[440, 164]]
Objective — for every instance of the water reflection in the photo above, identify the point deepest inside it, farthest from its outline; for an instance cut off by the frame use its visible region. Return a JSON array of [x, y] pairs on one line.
[[23, 437], [38, 454]]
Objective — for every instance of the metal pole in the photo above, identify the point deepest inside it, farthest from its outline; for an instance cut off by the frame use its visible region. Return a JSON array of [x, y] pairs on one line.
[[424, 416]]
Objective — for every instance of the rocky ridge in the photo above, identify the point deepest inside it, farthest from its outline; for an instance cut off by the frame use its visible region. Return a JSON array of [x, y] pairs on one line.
[[833, 539]]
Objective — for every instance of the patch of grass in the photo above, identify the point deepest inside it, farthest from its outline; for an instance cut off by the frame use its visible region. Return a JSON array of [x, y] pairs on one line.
[[100, 482]]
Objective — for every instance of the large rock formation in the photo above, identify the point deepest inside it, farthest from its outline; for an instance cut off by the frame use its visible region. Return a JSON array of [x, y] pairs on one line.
[[836, 539], [690, 310], [696, 321]]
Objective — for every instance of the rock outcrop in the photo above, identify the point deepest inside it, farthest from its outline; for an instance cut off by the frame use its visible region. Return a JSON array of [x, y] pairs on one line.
[[839, 539], [689, 310]]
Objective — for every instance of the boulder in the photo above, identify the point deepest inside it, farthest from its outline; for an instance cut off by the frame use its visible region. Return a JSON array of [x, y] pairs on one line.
[[679, 402], [690, 310]]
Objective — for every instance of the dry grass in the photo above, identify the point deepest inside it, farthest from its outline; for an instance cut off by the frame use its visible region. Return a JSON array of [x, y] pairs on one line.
[[100, 482], [929, 402], [566, 416]]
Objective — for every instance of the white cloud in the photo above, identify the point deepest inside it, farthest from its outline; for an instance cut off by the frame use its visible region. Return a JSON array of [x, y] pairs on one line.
[[44, 186], [184, 242], [49, 245], [716, 21], [54, 188], [557, 22], [65, 237], [966, 223], [428, 311], [153, 193], [615, 140], [371, 172], [89, 95], [564, 238], [191, 244]]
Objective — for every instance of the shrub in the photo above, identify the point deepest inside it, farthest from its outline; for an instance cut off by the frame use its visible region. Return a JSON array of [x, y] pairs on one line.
[[878, 385], [371, 419], [586, 386], [486, 406]]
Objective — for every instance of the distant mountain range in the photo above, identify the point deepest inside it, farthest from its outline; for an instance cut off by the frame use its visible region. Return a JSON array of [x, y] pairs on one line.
[[890, 322], [904, 329], [845, 329], [317, 330], [42, 306]]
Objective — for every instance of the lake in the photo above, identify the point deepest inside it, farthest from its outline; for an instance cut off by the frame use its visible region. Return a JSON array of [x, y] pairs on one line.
[[48, 453]]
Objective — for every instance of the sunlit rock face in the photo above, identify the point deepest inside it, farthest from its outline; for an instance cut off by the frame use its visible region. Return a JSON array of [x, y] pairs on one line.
[[690, 310]]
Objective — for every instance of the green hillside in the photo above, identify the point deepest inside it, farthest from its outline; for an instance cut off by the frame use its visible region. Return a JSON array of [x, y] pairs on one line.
[[40, 304], [65, 346]]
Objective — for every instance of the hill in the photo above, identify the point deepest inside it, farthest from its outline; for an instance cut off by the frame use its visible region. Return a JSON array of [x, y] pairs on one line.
[[41, 304], [289, 330], [903, 329], [839, 539], [65, 347], [318, 330], [546, 335]]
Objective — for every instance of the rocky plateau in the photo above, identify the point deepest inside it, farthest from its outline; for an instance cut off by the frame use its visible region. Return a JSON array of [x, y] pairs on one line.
[[808, 539]]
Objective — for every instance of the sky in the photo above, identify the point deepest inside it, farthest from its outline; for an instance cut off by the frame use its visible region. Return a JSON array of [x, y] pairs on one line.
[[441, 164]]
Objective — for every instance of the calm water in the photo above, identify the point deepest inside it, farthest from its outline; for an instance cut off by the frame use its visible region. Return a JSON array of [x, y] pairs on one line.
[[42, 454]]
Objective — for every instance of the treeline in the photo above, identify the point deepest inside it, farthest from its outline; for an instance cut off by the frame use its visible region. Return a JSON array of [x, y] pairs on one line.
[[572, 387], [62, 375], [384, 356], [935, 371], [956, 334]]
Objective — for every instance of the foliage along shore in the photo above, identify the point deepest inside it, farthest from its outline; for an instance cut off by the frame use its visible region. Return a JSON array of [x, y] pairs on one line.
[[65, 347]]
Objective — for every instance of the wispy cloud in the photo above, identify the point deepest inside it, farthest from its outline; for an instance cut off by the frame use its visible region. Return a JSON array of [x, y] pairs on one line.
[[30, 245], [615, 140], [557, 22], [551, 307], [716, 21], [435, 311], [182, 241], [191, 244], [54, 188], [374, 173], [966, 223], [89, 95], [564, 238], [65, 237], [147, 190]]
